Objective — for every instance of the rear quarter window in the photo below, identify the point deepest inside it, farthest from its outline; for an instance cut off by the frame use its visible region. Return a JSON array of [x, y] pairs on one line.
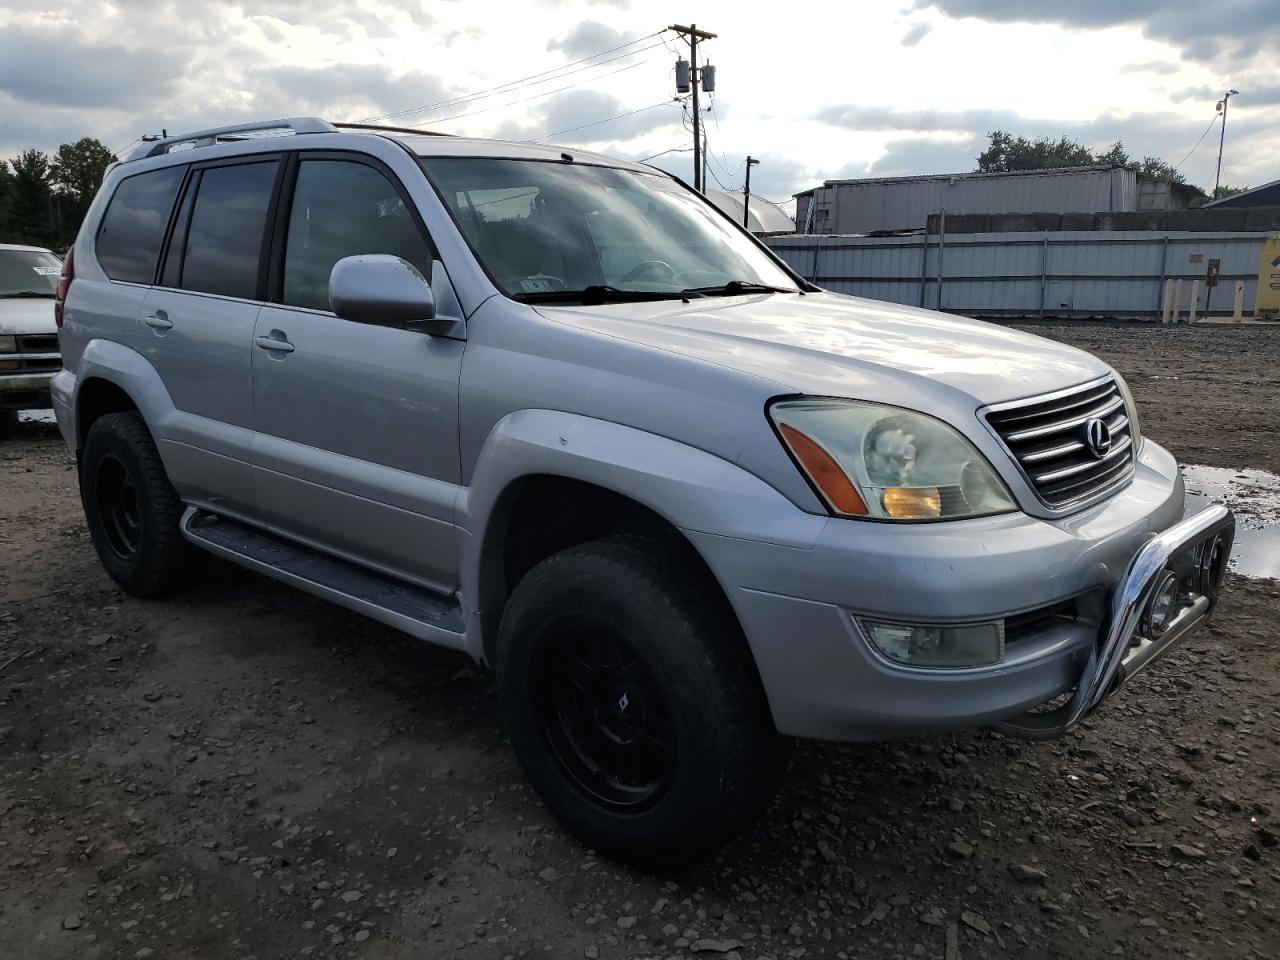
[[132, 230]]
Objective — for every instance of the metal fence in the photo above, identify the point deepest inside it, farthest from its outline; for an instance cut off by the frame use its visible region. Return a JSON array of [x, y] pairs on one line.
[[1093, 273]]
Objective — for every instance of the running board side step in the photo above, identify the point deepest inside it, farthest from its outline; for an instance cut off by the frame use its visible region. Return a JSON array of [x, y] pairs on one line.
[[417, 611]]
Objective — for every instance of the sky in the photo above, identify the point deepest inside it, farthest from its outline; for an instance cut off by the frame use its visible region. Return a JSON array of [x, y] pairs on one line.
[[840, 89]]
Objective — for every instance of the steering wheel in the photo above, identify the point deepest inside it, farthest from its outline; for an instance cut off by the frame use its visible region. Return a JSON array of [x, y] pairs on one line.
[[648, 265]]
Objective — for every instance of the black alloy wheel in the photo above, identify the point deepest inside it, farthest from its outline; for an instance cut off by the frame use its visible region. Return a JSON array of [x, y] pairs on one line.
[[604, 717]]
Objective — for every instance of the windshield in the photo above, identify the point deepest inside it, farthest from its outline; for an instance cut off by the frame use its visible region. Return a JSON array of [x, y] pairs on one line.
[[28, 273], [547, 229]]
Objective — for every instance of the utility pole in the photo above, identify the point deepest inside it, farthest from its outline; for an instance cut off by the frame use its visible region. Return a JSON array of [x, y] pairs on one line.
[[746, 190], [1222, 137], [692, 35]]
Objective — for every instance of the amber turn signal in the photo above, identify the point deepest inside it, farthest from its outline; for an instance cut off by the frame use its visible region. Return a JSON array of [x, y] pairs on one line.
[[912, 503], [825, 473]]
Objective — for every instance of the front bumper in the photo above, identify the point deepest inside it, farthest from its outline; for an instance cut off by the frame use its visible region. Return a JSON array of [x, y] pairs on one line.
[[799, 609], [1127, 646], [24, 391]]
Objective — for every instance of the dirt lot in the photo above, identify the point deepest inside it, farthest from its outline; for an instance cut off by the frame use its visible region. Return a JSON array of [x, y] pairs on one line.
[[248, 772]]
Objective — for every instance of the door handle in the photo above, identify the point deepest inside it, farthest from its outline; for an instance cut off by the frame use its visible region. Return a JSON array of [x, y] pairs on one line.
[[158, 321], [274, 344]]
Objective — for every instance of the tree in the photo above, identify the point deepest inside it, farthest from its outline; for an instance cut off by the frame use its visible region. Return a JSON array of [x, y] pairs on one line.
[[1226, 191], [76, 173], [1006, 152], [32, 205], [78, 168], [6, 202], [1117, 156], [1153, 168]]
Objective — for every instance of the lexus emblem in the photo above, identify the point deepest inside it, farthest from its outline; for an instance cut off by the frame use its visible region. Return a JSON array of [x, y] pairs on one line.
[[1097, 437]]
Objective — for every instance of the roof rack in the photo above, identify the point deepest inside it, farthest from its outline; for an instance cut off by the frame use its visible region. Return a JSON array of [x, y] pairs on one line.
[[376, 126], [239, 131]]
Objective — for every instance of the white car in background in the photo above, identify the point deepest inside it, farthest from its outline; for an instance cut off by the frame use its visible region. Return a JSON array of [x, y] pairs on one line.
[[29, 355]]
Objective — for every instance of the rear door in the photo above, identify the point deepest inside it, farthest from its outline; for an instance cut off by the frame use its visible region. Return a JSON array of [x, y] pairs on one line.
[[198, 327], [357, 448]]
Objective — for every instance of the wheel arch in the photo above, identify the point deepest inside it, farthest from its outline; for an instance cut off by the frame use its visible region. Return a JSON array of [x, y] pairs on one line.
[[548, 480], [112, 378]]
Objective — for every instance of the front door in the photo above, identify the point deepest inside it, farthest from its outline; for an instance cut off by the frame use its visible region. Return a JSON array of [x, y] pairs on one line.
[[357, 447]]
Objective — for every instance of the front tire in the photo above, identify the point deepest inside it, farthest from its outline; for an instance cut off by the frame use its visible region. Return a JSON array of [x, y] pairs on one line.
[[633, 705], [132, 510]]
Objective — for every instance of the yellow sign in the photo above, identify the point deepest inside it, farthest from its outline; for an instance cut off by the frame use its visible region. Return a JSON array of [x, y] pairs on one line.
[[1268, 301]]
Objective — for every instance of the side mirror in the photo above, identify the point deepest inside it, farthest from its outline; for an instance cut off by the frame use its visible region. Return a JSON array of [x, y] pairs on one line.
[[380, 289]]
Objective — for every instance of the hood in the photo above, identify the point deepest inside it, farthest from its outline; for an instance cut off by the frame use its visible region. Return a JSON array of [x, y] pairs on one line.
[[20, 315], [835, 345]]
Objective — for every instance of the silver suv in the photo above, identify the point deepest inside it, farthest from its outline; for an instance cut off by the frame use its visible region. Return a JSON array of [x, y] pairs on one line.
[[558, 412]]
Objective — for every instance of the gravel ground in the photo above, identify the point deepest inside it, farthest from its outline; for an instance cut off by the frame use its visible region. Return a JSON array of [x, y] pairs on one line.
[[248, 772]]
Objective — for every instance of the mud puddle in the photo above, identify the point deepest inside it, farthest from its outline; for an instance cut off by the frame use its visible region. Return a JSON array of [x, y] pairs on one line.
[[1254, 496]]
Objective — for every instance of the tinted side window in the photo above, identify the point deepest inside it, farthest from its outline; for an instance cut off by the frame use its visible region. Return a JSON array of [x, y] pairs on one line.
[[224, 240], [342, 209], [133, 227]]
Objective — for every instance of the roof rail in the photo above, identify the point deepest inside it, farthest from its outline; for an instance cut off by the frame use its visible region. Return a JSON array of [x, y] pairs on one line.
[[381, 127], [239, 131]]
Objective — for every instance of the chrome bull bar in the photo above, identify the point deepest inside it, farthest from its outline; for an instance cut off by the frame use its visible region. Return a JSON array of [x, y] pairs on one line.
[[1129, 645]]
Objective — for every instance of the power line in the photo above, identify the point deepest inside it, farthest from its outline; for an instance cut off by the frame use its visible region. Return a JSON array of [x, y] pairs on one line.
[[509, 103], [663, 153], [1197, 142], [596, 123], [116, 153], [511, 84]]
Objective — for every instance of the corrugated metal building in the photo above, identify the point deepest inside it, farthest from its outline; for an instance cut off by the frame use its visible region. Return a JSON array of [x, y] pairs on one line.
[[905, 203], [1050, 273]]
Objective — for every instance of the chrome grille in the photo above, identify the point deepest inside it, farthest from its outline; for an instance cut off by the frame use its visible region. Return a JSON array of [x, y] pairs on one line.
[[1048, 438]]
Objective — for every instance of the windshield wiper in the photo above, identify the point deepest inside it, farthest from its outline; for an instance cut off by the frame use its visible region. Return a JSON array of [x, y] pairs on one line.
[[735, 287], [27, 295], [599, 293]]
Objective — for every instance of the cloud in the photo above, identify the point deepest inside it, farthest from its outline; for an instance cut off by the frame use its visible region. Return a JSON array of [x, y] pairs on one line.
[[1151, 66], [1160, 134], [344, 91], [917, 155], [864, 117], [578, 113], [1225, 30], [589, 37], [915, 34], [55, 68]]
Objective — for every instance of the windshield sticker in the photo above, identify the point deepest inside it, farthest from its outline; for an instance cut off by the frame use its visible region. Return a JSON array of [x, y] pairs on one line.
[[536, 285], [48, 271]]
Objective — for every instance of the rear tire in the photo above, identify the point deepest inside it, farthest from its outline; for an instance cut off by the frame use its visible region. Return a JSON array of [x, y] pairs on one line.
[[633, 705], [132, 510]]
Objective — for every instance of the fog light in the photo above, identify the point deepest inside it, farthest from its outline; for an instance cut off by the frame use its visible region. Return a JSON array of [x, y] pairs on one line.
[[970, 645], [1213, 563], [1163, 605]]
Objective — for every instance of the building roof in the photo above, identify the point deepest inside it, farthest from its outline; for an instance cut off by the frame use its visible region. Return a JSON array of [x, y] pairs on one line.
[[970, 175], [1242, 199]]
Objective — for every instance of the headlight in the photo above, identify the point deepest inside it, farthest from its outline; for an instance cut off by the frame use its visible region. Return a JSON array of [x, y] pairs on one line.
[[1135, 428], [872, 460], [8, 344]]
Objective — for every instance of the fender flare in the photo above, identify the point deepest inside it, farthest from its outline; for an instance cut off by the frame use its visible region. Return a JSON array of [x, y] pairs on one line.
[[693, 490], [132, 373]]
